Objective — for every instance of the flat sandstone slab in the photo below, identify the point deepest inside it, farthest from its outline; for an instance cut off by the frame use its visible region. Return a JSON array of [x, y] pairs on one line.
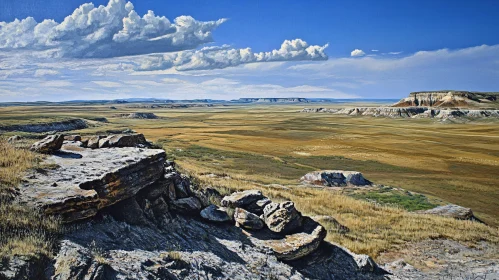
[[78, 182]]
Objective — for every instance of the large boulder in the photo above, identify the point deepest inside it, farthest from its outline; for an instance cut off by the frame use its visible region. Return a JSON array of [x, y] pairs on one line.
[[72, 138], [213, 213], [93, 142], [242, 199], [89, 180], [14, 139], [335, 178], [257, 207], [282, 217], [49, 144], [298, 245], [453, 211], [189, 205], [247, 220], [123, 140]]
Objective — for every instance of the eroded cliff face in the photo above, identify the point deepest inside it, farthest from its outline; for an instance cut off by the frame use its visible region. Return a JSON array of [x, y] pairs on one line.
[[448, 99], [410, 112]]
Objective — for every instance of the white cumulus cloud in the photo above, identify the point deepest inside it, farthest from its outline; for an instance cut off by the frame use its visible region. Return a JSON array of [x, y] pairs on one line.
[[223, 57], [106, 31], [357, 52]]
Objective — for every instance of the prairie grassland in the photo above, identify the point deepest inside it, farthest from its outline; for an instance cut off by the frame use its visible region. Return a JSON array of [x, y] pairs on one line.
[[259, 146], [23, 231]]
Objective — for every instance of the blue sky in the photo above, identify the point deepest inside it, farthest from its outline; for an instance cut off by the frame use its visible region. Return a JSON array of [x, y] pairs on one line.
[[336, 49]]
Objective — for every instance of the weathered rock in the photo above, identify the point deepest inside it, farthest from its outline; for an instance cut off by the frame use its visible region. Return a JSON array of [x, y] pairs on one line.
[[213, 213], [191, 249], [188, 205], [282, 217], [334, 178], [49, 144], [242, 199], [208, 196], [182, 187], [128, 211], [123, 140], [77, 262], [411, 112], [247, 220], [93, 142], [453, 211], [298, 245], [365, 263], [14, 139], [72, 138], [23, 267], [258, 206], [137, 116], [90, 180]]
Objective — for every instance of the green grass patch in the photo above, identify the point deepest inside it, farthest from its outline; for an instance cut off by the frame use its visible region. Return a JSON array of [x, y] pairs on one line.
[[406, 200]]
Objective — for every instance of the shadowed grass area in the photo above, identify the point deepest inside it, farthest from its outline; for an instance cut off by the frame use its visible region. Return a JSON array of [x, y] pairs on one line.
[[23, 231]]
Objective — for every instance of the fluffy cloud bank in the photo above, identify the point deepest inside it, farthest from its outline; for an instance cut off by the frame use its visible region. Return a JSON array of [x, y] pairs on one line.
[[223, 57], [106, 31]]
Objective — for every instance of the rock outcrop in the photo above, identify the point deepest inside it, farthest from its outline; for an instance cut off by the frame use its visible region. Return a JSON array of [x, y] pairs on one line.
[[410, 112], [298, 245], [451, 210], [242, 199], [447, 99], [49, 144], [247, 219], [87, 180], [335, 178], [72, 124], [213, 213], [14, 139], [123, 140], [137, 116], [282, 217]]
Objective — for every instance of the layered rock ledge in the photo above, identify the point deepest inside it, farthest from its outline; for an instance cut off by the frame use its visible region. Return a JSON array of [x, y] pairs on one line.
[[81, 181]]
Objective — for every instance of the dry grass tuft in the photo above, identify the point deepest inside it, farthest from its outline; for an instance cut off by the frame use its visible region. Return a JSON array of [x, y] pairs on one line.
[[23, 231]]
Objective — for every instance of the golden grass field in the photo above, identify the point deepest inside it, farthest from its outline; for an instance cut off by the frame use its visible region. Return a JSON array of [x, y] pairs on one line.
[[271, 147]]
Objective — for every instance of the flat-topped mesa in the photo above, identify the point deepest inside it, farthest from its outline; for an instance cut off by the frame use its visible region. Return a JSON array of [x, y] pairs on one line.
[[83, 181], [448, 99]]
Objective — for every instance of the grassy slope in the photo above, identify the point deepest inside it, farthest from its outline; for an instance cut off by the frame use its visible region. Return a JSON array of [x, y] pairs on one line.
[[23, 231]]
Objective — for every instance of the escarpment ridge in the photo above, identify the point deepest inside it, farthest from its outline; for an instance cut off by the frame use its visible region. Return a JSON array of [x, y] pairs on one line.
[[450, 99]]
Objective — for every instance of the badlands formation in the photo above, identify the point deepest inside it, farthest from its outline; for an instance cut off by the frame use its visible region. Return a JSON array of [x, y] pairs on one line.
[[441, 105]]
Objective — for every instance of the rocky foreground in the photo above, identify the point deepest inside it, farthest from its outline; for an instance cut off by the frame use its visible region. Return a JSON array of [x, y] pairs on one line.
[[132, 215]]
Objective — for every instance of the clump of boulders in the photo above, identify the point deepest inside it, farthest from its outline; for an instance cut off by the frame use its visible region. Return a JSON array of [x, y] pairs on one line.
[[335, 178], [282, 227]]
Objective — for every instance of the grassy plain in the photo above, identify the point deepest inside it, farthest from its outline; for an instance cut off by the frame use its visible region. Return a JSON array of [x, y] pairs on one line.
[[271, 147]]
